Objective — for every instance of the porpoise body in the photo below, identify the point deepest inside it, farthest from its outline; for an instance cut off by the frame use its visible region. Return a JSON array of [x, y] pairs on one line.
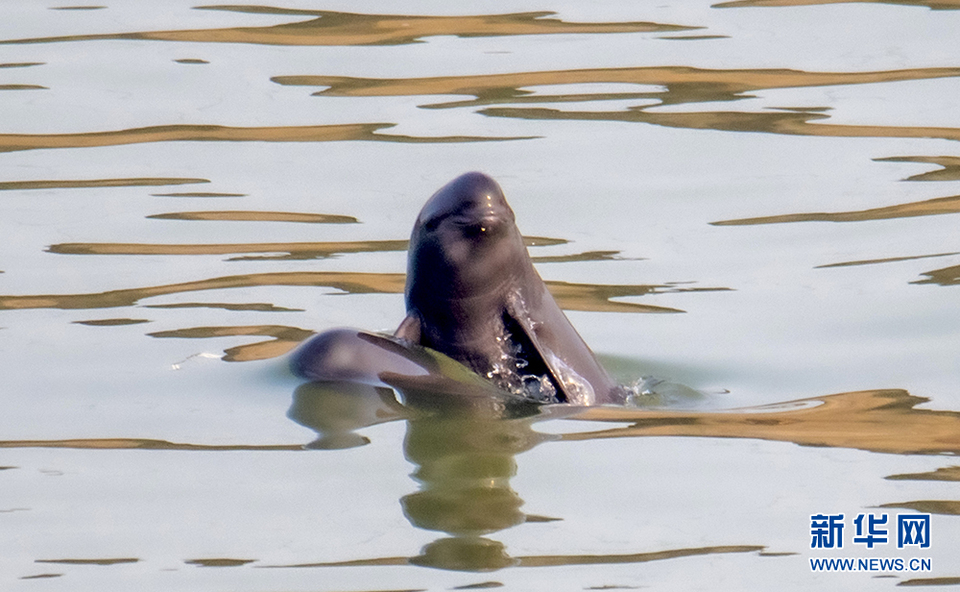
[[473, 294]]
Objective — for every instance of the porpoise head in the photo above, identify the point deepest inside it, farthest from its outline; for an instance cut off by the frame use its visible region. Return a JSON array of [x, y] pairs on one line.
[[466, 257], [472, 293], [464, 242]]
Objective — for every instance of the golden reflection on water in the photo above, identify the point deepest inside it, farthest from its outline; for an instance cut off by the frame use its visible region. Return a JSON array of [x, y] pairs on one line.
[[218, 562], [143, 444], [354, 283], [883, 421], [585, 256], [296, 251], [931, 4], [288, 251], [946, 581], [799, 122], [886, 260], [198, 194], [942, 474], [249, 216], [949, 171], [247, 306], [327, 27], [950, 508], [680, 84], [220, 133], [111, 322], [115, 561], [878, 421], [570, 296], [464, 466], [284, 339], [465, 461], [315, 250], [87, 183], [544, 560], [930, 207], [948, 276]]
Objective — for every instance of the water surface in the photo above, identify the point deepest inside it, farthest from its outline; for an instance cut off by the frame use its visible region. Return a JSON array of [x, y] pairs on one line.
[[748, 209]]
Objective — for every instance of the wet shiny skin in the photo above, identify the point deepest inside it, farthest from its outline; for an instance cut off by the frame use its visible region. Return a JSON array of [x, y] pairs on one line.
[[755, 199]]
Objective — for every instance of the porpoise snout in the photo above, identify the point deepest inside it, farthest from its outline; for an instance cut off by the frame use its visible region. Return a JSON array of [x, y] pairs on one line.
[[473, 201]]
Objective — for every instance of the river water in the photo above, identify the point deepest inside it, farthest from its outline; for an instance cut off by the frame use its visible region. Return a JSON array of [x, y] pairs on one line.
[[748, 209]]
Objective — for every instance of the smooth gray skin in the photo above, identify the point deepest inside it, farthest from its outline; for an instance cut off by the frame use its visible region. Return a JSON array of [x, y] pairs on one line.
[[363, 365], [473, 294]]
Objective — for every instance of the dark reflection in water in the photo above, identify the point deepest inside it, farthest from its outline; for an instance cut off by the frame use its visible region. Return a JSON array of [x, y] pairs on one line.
[[336, 411], [464, 467], [464, 453], [221, 133], [885, 421], [465, 459], [327, 27]]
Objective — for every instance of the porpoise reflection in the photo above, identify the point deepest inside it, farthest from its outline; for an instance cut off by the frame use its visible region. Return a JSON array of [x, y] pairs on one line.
[[474, 299]]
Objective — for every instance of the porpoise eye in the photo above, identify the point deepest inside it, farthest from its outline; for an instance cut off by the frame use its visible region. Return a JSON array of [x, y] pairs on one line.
[[473, 230], [431, 224]]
